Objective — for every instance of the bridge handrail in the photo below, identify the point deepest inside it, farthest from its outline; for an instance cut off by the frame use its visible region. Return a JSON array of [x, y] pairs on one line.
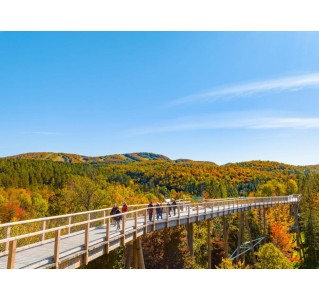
[[18, 237], [133, 205], [66, 215]]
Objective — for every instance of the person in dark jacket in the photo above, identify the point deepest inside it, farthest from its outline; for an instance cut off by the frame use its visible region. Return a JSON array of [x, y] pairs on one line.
[[174, 206], [117, 218], [161, 211], [169, 208], [150, 211], [114, 208], [158, 211]]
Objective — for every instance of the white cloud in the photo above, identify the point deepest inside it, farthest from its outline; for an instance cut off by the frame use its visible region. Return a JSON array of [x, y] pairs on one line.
[[230, 121], [279, 84], [294, 123]]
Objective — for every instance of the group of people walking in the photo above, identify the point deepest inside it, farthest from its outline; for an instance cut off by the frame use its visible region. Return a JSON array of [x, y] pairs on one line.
[[158, 209]]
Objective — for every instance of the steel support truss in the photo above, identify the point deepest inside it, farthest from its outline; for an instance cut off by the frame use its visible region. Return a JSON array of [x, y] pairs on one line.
[[242, 249]]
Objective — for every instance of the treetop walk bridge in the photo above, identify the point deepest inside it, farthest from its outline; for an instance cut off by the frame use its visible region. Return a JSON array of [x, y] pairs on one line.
[[73, 240]]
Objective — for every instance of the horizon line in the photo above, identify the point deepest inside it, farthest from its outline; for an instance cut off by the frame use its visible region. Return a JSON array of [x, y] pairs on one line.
[[172, 160]]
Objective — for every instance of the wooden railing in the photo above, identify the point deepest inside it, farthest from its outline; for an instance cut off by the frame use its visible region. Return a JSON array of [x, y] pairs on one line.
[[42, 229], [20, 235]]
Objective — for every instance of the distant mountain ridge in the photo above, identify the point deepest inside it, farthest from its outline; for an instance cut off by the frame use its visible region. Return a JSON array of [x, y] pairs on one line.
[[148, 156], [76, 158]]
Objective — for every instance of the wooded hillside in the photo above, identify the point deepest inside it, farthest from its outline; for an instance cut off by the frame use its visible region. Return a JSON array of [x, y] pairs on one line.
[[35, 185]]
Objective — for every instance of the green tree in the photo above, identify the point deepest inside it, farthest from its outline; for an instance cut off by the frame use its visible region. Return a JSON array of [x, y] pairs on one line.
[[82, 193], [270, 257], [40, 205], [309, 208]]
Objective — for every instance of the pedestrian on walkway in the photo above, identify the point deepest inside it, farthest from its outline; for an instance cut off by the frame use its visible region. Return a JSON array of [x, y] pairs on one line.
[[169, 208], [174, 206], [118, 218], [150, 211], [114, 208], [158, 210], [161, 211], [124, 207]]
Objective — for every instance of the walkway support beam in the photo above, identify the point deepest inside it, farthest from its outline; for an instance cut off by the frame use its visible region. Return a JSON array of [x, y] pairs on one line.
[[298, 235], [251, 242], [209, 244], [135, 255], [140, 255], [265, 223], [190, 238], [225, 235], [240, 233], [129, 255]]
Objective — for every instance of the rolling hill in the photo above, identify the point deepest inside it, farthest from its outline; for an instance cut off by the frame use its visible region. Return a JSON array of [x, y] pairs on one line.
[[75, 158]]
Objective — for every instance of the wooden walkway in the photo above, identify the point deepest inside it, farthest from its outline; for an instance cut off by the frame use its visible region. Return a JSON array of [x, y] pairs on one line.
[[73, 249]]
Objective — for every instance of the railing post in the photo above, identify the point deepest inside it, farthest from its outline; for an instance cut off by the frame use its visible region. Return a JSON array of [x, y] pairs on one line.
[[179, 215], [43, 229], [104, 214], [87, 240], [107, 239], [56, 257], [212, 209], [135, 225], [123, 229], [153, 213], [205, 204], [12, 254], [69, 224], [189, 213], [145, 221], [197, 212], [6, 236]]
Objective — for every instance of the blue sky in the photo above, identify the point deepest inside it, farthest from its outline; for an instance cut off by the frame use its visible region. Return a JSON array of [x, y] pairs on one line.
[[214, 96]]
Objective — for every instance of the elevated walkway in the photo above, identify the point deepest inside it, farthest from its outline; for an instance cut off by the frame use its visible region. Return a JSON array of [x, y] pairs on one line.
[[70, 241]]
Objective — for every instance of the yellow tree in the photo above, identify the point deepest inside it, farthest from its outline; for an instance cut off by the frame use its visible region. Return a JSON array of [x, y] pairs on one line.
[[229, 264]]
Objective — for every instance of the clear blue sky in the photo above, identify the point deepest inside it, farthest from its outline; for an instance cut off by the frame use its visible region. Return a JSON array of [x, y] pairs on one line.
[[215, 96]]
